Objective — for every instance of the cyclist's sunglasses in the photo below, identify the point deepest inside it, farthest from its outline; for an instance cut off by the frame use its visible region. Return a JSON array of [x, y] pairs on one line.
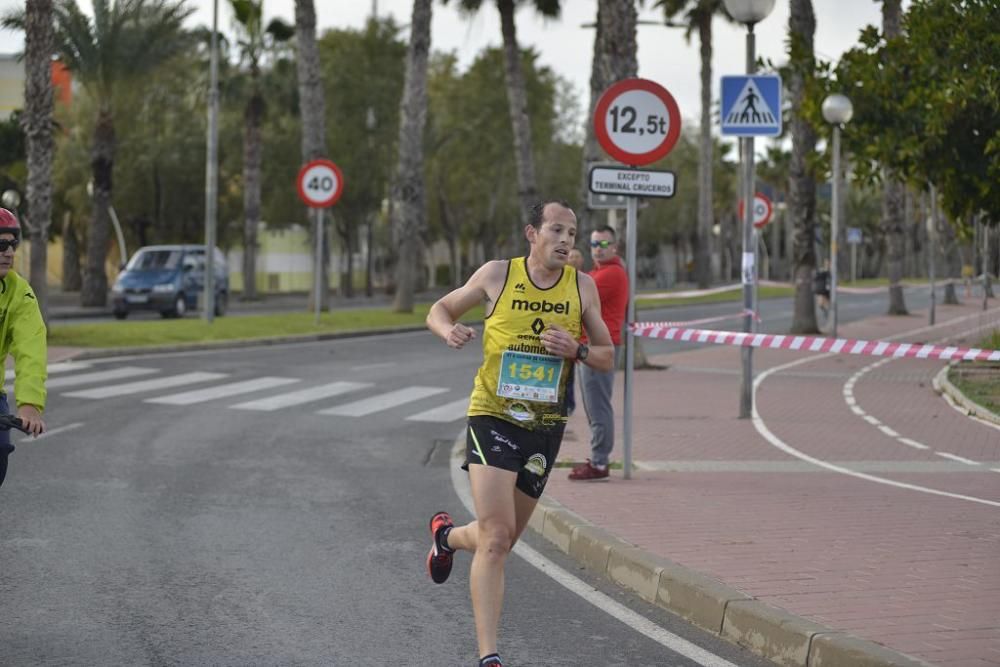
[[4, 244], [600, 244]]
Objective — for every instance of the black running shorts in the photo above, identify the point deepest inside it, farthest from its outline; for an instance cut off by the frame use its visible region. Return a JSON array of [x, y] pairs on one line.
[[498, 443]]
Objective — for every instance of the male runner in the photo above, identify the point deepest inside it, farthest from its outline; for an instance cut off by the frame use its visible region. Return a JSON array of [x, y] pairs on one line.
[[535, 307], [22, 335]]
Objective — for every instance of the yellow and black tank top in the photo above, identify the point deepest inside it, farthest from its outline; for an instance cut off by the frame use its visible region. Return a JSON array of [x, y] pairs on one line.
[[519, 380]]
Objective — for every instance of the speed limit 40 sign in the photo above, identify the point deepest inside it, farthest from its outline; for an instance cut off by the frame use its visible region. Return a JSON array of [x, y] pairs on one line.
[[320, 183], [637, 121]]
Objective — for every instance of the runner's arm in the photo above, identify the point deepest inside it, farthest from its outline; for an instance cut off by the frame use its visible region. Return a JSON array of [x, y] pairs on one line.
[[602, 350], [443, 317]]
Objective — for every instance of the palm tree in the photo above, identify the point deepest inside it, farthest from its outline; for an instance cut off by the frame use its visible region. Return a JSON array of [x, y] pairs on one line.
[[37, 124], [698, 16], [123, 42], [614, 59], [312, 108], [517, 101], [802, 182], [254, 41], [408, 197], [893, 191]]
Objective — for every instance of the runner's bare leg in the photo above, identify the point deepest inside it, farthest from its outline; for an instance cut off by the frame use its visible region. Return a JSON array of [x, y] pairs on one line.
[[493, 496]]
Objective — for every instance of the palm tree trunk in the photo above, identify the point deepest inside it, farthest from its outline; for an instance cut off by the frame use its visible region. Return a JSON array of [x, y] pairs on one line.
[[251, 191], [517, 101], [102, 158], [312, 107], [802, 183], [37, 125], [893, 192], [614, 58], [703, 260], [71, 278], [408, 216]]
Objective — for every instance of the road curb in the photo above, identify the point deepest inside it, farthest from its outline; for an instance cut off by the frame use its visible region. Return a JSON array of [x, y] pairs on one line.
[[943, 386], [768, 631]]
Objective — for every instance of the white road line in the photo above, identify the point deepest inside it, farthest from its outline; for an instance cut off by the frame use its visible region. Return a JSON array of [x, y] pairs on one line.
[[54, 431], [145, 385], [448, 412], [613, 608], [960, 459], [913, 443], [383, 401], [777, 442], [888, 431], [55, 368], [221, 391], [309, 395], [874, 421], [98, 376]]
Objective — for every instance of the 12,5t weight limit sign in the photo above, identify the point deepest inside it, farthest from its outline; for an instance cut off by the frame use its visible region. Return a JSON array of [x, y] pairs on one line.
[[637, 121], [320, 183]]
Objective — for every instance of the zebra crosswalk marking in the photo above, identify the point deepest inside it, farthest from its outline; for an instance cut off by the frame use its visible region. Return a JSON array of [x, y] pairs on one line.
[[54, 368], [383, 401], [448, 412], [221, 391], [145, 385], [98, 376], [309, 395]]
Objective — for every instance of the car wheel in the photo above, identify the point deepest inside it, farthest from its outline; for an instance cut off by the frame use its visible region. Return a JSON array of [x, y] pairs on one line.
[[120, 314], [180, 306], [221, 303]]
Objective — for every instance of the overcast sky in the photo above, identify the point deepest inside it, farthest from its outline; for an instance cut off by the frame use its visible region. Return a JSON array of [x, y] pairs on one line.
[[566, 47]]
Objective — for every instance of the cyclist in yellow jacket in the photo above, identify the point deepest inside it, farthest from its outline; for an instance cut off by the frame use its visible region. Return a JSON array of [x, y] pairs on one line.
[[22, 336]]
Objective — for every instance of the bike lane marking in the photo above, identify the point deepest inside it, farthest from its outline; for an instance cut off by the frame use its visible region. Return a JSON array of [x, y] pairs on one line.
[[774, 440]]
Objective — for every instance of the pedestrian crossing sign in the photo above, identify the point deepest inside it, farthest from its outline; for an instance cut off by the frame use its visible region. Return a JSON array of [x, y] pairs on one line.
[[751, 106]]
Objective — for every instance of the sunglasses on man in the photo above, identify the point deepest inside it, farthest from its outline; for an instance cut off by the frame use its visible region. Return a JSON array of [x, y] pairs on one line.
[[600, 244], [12, 244]]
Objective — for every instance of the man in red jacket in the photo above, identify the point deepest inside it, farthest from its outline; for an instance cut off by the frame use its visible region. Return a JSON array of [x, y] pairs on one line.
[[596, 386]]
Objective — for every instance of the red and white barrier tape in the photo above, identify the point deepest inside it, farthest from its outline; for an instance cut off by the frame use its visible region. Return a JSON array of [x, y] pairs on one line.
[[872, 348]]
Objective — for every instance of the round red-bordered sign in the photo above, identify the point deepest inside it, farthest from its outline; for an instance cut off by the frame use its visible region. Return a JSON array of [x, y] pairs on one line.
[[320, 183], [762, 210], [637, 121]]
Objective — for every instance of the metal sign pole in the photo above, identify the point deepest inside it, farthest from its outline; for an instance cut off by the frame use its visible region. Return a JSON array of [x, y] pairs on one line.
[[631, 227], [932, 246], [318, 268]]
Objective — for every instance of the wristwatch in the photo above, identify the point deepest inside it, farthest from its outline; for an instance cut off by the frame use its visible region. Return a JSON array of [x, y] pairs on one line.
[[581, 352]]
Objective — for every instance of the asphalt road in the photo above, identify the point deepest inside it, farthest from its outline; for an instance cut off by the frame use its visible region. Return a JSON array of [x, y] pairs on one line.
[[156, 526]]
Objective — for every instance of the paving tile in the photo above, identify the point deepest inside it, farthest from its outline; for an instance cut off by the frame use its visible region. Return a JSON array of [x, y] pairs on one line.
[[913, 571]]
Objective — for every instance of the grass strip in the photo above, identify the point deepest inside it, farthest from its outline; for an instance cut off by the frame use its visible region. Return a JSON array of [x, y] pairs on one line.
[[151, 333], [980, 380]]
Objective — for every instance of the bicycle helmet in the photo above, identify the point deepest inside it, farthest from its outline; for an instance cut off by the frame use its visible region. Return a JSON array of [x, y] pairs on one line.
[[9, 224]]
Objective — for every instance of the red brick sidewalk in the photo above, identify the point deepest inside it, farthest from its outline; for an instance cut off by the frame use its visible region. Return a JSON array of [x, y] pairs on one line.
[[898, 565]]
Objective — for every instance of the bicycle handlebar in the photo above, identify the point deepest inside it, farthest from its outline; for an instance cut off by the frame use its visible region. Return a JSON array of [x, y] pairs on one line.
[[8, 422]]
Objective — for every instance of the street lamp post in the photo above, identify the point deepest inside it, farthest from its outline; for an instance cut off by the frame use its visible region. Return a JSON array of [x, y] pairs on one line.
[[837, 110], [212, 172], [748, 12]]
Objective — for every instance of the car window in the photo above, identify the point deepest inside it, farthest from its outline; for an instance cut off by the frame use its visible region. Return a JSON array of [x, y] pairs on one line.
[[154, 260]]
